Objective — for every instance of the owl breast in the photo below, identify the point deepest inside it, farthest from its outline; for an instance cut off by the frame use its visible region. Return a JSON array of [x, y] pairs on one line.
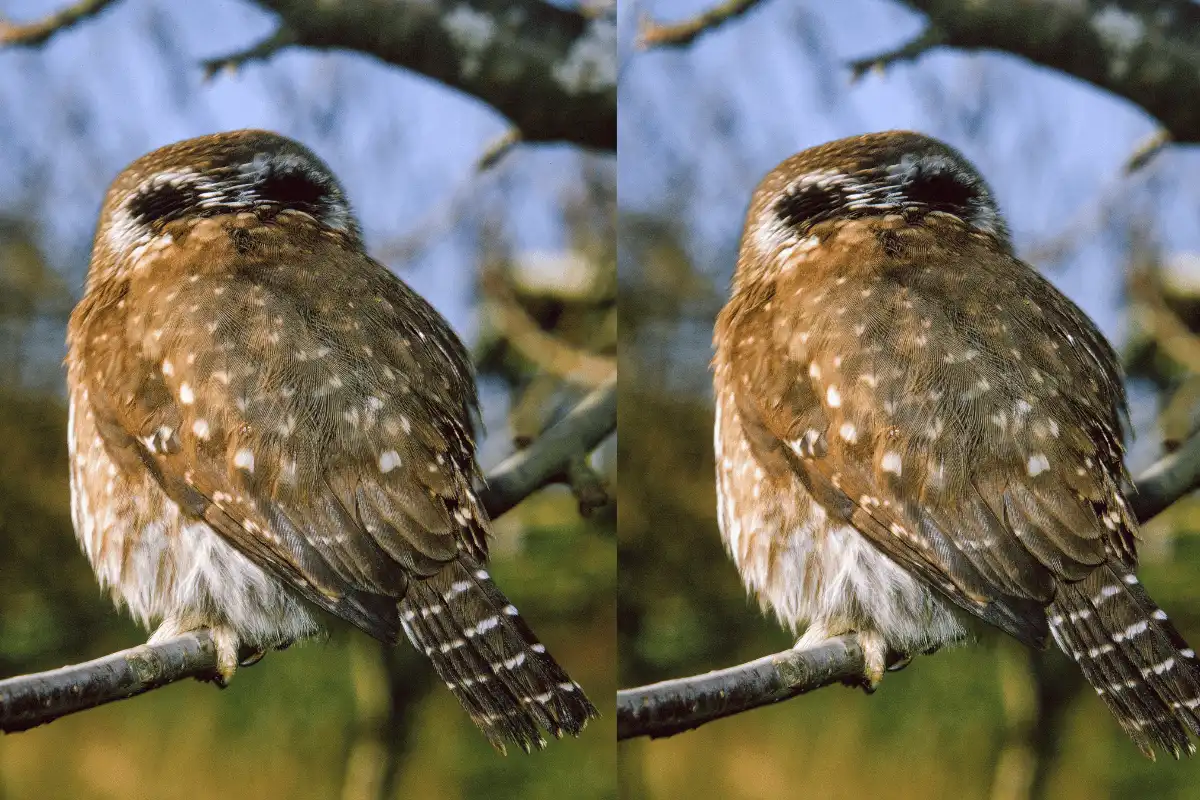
[[814, 573], [161, 564]]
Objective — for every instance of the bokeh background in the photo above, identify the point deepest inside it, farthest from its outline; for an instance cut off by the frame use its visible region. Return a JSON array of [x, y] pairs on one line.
[[698, 127], [518, 255]]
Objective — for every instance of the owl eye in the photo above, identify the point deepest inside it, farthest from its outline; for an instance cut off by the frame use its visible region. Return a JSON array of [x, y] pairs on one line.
[[940, 191], [807, 205], [163, 202], [291, 189]]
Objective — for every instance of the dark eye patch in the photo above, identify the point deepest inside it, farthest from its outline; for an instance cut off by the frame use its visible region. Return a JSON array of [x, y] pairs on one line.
[[941, 191], [807, 205], [291, 190], [163, 202]]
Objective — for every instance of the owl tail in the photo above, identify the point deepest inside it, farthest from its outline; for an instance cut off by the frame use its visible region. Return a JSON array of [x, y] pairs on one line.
[[490, 659], [1133, 657]]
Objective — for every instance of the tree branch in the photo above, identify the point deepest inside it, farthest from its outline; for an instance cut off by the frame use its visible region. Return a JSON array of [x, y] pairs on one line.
[[546, 460], [678, 34], [551, 71], [670, 707], [674, 706], [31, 700], [1147, 51], [27, 701], [29, 34]]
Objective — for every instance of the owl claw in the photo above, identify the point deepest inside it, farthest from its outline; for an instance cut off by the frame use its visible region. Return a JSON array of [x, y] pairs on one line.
[[225, 640], [875, 654]]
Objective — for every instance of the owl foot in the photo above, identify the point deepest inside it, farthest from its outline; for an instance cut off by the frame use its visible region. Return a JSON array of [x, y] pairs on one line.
[[876, 653], [225, 640]]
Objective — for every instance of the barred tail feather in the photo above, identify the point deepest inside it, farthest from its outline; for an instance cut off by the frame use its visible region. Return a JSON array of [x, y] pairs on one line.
[[490, 659], [1133, 657]]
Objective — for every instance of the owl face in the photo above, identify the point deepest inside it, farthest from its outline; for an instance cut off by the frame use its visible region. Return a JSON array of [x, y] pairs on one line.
[[227, 173], [877, 175]]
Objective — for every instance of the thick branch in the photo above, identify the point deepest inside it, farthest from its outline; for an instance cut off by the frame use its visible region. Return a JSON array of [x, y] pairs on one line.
[[28, 34], [30, 700], [1147, 51], [674, 706], [551, 71], [670, 707]]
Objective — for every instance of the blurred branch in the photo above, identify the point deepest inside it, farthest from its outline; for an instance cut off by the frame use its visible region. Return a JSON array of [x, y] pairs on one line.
[[670, 707], [1147, 149], [655, 34], [545, 350], [929, 38], [551, 71], [281, 38], [29, 34], [674, 706], [1146, 51], [27, 701]]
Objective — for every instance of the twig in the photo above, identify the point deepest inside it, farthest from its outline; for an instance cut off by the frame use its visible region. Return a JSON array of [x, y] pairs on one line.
[[30, 34], [928, 39], [498, 149], [545, 461], [655, 34], [1147, 149], [281, 38], [30, 700], [673, 706], [670, 707]]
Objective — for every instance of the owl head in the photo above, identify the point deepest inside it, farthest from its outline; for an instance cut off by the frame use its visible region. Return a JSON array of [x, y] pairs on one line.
[[222, 173], [878, 174]]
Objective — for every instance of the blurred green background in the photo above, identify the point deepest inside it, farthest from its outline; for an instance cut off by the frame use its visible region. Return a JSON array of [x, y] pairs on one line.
[[518, 255], [699, 126]]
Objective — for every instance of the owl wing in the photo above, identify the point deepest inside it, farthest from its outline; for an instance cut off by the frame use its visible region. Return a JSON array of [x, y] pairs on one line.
[[307, 405], [989, 475]]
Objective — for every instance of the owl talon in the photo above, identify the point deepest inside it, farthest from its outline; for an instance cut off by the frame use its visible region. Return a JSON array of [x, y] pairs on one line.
[[249, 656]]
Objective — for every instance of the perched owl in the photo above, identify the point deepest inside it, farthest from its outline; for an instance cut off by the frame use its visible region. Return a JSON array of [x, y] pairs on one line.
[[914, 427], [265, 422]]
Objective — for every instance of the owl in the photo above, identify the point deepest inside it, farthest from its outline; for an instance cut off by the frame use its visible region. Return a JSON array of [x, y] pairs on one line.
[[266, 424], [914, 429]]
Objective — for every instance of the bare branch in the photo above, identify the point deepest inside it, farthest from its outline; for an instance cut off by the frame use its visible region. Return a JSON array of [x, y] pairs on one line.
[[31, 700], [670, 707], [27, 701], [674, 706], [281, 38], [546, 460], [928, 39], [655, 34], [30, 34], [551, 71], [1170, 478], [1147, 51]]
